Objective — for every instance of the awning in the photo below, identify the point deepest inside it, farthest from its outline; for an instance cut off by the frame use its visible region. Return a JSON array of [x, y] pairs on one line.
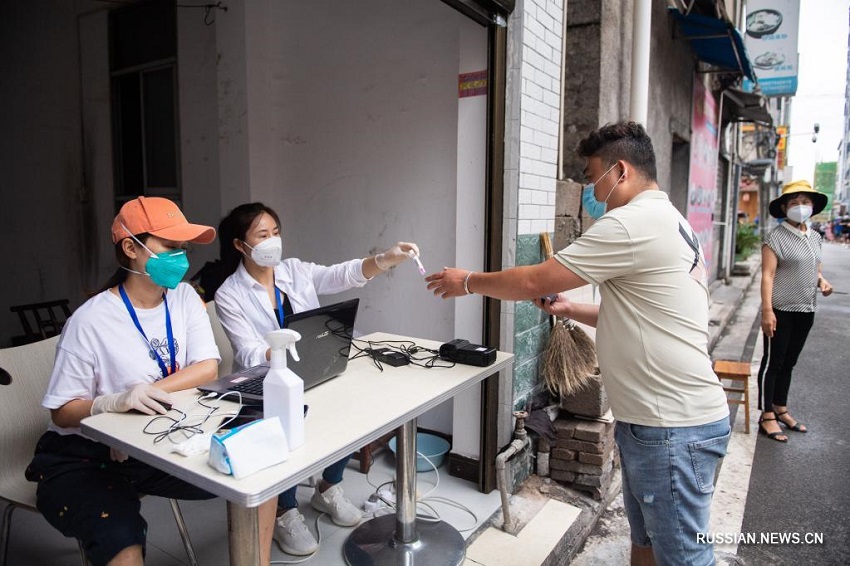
[[715, 41], [741, 106]]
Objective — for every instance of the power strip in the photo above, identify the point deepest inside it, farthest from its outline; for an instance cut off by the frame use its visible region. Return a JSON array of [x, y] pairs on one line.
[[387, 494]]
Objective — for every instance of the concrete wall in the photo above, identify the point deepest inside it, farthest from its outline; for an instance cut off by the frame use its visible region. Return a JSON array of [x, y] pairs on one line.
[[47, 212], [598, 70]]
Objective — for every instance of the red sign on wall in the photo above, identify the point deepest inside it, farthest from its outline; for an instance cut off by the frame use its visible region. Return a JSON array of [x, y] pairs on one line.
[[472, 84]]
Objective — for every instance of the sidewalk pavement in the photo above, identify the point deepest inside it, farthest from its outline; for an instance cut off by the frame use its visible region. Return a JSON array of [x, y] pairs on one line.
[[599, 532]]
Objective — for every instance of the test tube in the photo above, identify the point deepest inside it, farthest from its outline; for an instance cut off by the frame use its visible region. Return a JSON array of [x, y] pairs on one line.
[[419, 264]]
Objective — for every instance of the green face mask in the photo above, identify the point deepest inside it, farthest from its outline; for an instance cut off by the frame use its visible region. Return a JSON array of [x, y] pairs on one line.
[[167, 269]]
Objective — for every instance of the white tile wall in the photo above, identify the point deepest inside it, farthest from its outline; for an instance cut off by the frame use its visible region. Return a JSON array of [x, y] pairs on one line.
[[537, 28]]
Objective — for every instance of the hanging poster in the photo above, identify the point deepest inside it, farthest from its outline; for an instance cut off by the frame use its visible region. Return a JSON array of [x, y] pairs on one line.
[[702, 175], [771, 42]]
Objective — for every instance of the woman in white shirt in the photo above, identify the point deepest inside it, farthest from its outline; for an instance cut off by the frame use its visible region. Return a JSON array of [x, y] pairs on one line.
[[143, 336], [255, 299]]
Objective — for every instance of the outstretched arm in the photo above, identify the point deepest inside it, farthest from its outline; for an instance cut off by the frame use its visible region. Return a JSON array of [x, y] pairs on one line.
[[516, 284]]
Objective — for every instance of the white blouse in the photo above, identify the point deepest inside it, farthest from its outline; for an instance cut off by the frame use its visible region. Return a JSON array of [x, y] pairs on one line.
[[247, 314]]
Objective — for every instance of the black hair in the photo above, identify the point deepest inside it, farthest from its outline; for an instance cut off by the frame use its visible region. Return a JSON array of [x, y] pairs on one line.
[[235, 226], [120, 274], [624, 140]]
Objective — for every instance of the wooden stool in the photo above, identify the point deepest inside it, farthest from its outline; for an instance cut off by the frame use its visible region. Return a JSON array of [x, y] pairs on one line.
[[737, 372], [364, 455]]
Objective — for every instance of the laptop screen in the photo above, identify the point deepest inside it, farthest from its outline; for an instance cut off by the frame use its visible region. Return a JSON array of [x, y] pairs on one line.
[[325, 343], [326, 334]]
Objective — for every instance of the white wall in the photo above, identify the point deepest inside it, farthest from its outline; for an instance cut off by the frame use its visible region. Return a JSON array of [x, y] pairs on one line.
[[352, 130], [469, 235], [349, 116]]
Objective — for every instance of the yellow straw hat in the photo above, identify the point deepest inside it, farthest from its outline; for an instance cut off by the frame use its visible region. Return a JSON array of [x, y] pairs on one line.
[[819, 199]]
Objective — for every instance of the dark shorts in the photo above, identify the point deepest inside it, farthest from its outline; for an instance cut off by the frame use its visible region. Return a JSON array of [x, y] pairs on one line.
[[87, 496]]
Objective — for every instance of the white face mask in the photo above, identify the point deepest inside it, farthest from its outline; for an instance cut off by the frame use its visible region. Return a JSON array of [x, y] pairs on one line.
[[799, 213], [268, 252]]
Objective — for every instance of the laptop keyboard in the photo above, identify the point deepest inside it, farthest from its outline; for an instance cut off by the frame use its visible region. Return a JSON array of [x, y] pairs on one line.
[[253, 386]]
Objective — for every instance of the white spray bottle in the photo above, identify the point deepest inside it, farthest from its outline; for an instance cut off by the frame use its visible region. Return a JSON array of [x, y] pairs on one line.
[[283, 391]]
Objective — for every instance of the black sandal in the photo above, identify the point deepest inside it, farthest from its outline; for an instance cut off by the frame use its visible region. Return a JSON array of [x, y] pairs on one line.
[[771, 435], [797, 426]]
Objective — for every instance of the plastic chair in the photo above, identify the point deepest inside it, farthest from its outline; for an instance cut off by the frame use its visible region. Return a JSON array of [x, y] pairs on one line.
[[221, 340], [25, 372], [40, 320]]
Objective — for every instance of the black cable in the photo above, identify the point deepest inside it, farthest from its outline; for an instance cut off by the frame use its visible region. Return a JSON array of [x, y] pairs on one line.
[[408, 348]]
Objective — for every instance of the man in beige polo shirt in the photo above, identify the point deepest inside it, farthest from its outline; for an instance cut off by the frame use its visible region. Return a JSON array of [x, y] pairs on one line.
[[652, 339]]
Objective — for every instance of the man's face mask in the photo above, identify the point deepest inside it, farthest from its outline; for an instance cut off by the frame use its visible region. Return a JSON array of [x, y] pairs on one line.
[[588, 200]]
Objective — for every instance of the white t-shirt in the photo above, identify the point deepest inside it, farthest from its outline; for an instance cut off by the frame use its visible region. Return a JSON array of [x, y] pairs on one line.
[[101, 351], [247, 314], [652, 334]]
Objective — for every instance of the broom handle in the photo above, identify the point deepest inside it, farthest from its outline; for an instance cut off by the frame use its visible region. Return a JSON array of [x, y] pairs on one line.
[[546, 244]]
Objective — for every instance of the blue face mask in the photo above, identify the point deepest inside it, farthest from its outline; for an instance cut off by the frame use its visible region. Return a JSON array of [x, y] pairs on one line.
[[588, 200]]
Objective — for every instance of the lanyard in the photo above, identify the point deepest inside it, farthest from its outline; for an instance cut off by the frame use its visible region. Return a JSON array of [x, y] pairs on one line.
[[279, 305], [169, 333]]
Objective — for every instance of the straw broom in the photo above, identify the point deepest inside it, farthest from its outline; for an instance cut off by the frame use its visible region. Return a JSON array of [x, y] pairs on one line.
[[570, 358]]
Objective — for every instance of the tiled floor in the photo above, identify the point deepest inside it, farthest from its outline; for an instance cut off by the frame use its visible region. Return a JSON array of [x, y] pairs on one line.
[[35, 543]]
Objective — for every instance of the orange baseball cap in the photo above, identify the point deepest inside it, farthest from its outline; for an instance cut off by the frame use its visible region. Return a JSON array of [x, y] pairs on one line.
[[159, 217]]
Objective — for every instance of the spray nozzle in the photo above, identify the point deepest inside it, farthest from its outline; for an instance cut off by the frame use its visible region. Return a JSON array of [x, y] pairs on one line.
[[281, 340]]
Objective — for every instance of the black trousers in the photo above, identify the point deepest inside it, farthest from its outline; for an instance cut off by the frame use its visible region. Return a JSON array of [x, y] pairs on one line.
[[780, 357], [87, 496]]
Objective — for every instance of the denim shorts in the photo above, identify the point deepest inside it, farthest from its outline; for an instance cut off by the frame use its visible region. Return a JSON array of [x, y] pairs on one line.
[[668, 481]]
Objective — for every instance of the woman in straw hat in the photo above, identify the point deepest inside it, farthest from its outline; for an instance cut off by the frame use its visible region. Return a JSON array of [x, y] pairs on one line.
[[791, 278]]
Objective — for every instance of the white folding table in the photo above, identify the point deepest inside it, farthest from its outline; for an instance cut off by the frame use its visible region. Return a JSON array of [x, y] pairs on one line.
[[345, 413]]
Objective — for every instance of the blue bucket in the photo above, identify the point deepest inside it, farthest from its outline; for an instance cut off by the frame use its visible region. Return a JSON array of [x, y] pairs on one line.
[[430, 445]]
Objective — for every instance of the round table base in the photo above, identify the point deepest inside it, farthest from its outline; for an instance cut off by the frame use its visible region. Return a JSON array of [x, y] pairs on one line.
[[373, 544]]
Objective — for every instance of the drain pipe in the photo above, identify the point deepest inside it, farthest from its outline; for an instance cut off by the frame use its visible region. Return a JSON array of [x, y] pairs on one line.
[[519, 442]]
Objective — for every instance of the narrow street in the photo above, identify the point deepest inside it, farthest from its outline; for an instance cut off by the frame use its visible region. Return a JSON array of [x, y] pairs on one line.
[[802, 486]]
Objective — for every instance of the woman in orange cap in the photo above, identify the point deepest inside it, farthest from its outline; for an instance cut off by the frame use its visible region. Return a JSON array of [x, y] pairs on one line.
[[791, 278], [144, 335]]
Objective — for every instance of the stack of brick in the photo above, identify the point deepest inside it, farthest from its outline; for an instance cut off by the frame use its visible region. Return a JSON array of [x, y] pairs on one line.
[[583, 455]]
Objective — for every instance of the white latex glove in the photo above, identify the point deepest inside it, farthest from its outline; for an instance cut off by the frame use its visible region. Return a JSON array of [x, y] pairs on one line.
[[400, 252], [117, 456], [144, 398]]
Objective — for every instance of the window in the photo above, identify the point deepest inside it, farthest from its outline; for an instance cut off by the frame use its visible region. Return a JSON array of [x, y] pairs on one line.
[[143, 65]]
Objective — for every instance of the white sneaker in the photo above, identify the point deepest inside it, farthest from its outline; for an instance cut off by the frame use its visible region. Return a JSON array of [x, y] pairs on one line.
[[292, 535], [334, 503]]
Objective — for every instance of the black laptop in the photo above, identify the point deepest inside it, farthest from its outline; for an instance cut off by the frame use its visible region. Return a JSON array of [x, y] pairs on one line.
[[326, 334]]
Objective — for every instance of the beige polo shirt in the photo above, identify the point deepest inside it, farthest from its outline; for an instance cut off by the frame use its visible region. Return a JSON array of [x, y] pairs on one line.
[[652, 334]]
